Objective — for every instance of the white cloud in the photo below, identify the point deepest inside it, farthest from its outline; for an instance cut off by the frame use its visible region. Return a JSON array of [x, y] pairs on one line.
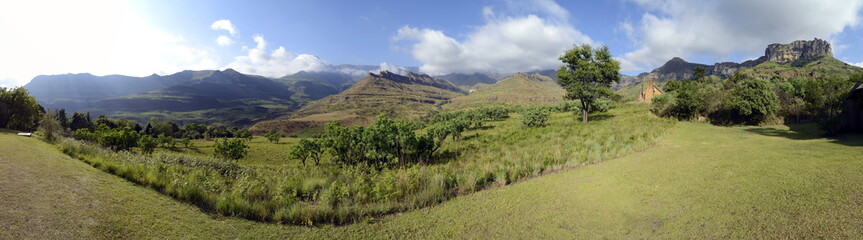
[[224, 24], [392, 68], [683, 28], [224, 41], [504, 44], [100, 37], [277, 63]]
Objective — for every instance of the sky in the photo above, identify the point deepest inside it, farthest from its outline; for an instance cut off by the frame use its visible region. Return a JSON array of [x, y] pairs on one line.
[[277, 38]]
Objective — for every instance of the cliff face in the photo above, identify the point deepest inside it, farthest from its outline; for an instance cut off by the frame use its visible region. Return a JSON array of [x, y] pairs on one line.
[[677, 68], [785, 53]]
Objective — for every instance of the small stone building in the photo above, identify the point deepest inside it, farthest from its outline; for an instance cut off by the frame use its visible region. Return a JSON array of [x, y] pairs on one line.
[[649, 91]]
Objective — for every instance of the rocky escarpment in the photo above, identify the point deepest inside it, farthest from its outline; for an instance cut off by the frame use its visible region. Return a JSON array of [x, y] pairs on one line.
[[677, 68], [785, 53]]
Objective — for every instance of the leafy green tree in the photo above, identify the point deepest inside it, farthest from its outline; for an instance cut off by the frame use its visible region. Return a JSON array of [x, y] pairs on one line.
[[62, 119], [117, 139], [49, 127], [147, 144], [79, 121], [166, 141], [273, 136], [307, 149], [587, 75], [234, 149], [187, 143], [19, 110], [754, 100], [699, 73]]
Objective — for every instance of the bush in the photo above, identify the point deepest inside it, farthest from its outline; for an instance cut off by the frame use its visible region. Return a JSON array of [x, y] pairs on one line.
[[273, 137], [307, 149], [534, 117], [754, 101], [147, 144], [234, 149]]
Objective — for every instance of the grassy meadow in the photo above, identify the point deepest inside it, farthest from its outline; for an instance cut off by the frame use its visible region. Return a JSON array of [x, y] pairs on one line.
[[266, 186], [699, 181]]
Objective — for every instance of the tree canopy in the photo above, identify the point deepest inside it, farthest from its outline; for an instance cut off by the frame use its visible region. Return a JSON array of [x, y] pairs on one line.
[[587, 75]]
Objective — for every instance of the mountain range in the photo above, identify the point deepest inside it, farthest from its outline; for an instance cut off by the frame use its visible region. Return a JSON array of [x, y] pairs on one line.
[[352, 93]]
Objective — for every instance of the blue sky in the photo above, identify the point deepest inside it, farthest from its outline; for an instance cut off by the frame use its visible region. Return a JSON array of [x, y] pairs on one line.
[[274, 38]]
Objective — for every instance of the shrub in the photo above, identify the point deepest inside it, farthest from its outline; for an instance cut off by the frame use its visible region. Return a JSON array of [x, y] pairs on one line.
[[754, 101], [147, 144], [534, 117], [307, 149], [234, 149], [273, 137]]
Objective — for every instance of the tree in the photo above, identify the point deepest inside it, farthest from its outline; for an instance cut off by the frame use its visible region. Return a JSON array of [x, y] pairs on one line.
[[147, 144], [698, 73], [234, 149], [19, 110], [307, 149], [587, 74], [754, 100], [49, 126], [62, 119], [273, 137], [79, 121]]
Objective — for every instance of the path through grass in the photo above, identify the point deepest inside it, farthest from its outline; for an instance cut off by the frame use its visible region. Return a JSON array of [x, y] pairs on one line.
[[702, 181]]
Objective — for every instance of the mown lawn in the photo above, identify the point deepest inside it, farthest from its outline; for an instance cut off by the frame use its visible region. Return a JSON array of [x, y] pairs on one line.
[[701, 181]]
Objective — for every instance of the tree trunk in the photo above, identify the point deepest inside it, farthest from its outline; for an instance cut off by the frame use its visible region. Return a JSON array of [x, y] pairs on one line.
[[584, 115]]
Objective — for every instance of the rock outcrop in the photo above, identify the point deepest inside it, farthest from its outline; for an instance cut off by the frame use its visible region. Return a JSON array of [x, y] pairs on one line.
[[677, 68], [785, 53]]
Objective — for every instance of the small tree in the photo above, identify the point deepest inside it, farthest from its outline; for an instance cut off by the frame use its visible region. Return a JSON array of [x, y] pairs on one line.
[[49, 126], [147, 144], [234, 149], [273, 137], [186, 143], [698, 73], [587, 74], [305, 150]]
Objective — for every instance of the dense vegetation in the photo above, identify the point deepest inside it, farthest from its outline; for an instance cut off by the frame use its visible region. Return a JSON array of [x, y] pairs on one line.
[[19, 110], [360, 173], [741, 99]]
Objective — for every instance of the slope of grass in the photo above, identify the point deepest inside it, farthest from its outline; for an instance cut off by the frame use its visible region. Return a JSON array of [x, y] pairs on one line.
[[403, 97], [701, 181], [519, 90], [499, 154]]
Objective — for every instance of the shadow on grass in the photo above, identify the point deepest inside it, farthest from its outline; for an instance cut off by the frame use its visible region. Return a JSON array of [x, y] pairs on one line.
[[806, 132]]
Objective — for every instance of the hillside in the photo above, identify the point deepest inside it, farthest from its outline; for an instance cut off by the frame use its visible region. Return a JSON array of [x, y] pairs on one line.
[[808, 68], [758, 182], [796, 53], [520, 89], [408, 97]]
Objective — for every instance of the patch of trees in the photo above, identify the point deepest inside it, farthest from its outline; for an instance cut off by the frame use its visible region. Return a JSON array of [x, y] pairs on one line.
[[18, 110], [388, 143], [744, 100]]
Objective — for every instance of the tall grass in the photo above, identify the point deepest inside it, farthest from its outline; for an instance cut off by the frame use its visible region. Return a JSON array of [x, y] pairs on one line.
[[500, 154]]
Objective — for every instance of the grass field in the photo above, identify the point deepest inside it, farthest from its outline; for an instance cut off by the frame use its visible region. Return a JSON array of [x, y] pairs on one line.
[[701, 181]]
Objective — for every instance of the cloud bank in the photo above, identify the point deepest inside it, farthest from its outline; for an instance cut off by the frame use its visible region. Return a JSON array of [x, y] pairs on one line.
[[504, 44], [276, 63], [683, 28]]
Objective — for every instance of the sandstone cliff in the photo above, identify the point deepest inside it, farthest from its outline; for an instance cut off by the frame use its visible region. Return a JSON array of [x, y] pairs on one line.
[[677, 68]]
